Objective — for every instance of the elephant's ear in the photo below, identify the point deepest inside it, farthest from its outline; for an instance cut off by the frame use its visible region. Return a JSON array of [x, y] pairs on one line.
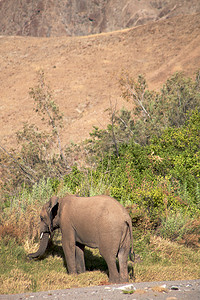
[[53, 208], [53, 201]]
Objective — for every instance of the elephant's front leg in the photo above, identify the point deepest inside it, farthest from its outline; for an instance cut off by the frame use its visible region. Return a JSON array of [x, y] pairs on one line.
[[80, 261], [68, 244]]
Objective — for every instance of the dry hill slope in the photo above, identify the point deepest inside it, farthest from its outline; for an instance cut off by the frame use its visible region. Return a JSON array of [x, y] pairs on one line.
[[84, 71], [46, 18]]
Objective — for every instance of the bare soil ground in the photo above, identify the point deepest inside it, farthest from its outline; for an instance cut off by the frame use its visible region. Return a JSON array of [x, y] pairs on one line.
[[84, 72], [165, 290]]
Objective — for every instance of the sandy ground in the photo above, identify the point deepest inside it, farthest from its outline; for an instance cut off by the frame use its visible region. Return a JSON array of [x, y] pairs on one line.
[[165, 290]]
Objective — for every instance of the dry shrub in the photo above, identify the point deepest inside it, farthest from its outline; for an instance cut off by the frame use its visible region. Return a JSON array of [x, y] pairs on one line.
[[171, 251], [141, 219], [192, 237], [12, 231], [31, 219], [20, 225], [12, 228]]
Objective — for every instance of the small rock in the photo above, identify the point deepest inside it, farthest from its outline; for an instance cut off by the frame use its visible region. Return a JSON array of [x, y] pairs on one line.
[[127, 287], [174, 288], [94, 292]]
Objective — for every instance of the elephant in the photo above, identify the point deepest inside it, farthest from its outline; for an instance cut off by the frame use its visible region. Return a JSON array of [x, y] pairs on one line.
[[96, 222]]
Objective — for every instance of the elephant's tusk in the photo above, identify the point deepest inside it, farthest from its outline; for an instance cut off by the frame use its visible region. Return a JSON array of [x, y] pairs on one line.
[[41, 235]]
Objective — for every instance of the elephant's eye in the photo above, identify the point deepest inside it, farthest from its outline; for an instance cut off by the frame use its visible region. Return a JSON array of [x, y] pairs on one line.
[[41, 218]]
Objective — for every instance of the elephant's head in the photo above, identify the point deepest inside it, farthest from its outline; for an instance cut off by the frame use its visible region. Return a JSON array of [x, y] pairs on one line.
[[48, 223]]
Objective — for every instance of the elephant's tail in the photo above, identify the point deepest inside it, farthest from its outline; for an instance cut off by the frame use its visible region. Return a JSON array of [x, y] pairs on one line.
[[131, 251], [132, 254]]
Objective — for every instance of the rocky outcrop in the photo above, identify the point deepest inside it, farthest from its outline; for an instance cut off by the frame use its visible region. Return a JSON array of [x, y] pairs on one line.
[[44, 18]]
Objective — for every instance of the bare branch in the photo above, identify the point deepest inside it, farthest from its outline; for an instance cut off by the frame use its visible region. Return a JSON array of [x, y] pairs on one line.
[[28, 175], [135, 97], [113, 112]]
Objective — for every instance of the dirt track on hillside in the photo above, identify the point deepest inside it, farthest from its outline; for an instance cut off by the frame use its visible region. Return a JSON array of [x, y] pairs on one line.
[[84, 72], [165, 290]]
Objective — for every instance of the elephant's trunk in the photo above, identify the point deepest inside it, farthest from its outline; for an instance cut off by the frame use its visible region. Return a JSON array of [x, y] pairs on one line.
[[43, 245]]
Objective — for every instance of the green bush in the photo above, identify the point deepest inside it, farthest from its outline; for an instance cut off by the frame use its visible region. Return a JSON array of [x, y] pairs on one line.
[[155, 111], [176, 154], [174, 226]]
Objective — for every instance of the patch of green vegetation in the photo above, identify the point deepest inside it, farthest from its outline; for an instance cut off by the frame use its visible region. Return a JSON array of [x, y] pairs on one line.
[[128, 292]]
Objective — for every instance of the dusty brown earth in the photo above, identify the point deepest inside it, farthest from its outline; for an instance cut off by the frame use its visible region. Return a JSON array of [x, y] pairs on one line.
[[165, 290], [84, 72]]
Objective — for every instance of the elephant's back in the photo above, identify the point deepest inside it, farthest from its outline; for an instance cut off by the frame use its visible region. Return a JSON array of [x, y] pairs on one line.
[[96, 206], [102, 201], [109, 208]]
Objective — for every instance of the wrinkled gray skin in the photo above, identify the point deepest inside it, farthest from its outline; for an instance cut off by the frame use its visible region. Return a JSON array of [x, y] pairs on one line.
[[97, 222]]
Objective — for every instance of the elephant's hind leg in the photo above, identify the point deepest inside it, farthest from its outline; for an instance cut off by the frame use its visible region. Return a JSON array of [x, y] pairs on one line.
[[112, 267], [80, 261], [123, 265], [123, 257]]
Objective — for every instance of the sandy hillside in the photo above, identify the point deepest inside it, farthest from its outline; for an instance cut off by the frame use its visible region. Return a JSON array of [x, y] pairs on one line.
[[84, 72]]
